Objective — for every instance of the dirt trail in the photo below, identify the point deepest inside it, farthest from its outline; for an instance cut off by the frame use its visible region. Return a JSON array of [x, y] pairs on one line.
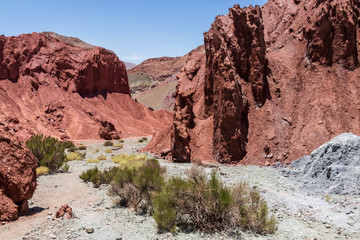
[[301, 214]]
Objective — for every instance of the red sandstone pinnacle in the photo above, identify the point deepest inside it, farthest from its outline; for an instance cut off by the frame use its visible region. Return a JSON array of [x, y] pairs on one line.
[[276, 82], [17, 176]]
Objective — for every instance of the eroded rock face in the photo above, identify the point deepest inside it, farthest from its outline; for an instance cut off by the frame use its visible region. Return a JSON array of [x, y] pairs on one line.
[[61, 86], [276, 82], [17, 176]]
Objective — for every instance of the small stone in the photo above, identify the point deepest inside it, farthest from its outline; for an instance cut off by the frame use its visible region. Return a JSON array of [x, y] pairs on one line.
[[89, 230], [327, 225], [49, 213], [53, 236]]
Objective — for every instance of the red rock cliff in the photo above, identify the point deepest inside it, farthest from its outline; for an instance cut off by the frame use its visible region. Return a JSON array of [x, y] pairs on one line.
[[276, 82], [63, 87]]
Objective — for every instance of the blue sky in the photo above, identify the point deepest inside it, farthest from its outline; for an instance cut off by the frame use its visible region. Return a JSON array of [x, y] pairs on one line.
[[134, 29]]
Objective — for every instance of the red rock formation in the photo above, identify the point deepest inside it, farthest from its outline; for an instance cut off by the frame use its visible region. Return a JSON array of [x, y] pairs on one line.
[[63, 87], [276, 82], [65, 212], [17, 176]]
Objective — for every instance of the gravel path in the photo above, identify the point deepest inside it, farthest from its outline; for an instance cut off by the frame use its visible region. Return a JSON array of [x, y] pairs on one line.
[[301, 214]]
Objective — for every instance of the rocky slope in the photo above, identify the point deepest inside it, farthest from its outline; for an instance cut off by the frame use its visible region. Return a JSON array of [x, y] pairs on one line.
[[17, 176], [275, 83], [129, 65], [63, 87], [153, 82]]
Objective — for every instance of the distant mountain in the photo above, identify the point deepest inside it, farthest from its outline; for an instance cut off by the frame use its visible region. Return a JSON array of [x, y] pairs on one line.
[[153, 82], [129, 65]]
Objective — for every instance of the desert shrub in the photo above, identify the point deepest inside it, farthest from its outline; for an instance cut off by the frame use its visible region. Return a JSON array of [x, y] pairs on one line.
[[82, 147], [129, 160], [48, 151], [72, 156], [118, 145], [99, 177], [253, 211], [101, 157], [108, 144], [93, 160], [66, 167], [205, 204], [141, 140], [42, 171], [121, 141], [108, 151], [72, 149], [135, 186], [96, 150], [145, 139], [68, 144], [91, 175]]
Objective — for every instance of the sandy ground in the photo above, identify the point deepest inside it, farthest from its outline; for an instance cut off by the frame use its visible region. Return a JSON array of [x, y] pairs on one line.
[[301, 214]]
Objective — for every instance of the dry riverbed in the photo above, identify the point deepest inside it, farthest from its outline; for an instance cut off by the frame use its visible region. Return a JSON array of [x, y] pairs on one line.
[[301, 214]]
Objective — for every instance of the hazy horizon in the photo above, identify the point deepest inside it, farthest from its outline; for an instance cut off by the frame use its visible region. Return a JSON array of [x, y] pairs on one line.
[[135, 30]]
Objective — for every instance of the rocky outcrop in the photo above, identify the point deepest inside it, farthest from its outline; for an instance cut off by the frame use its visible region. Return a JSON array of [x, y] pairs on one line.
[[332, 168], [276, 82], [61, 86], [17, 176]]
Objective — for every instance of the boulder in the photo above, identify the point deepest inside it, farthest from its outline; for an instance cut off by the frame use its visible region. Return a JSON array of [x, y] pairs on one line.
[[17, 176], [332, 168], [65, 212]]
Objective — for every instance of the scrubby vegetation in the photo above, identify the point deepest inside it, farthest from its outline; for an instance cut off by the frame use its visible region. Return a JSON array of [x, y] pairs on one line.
[[129, 160], [42, 171], [96, 150], [69, 144], [108, 144], [121, 141], [72, 149], [48, 151], [72, 156], [197, 203], [119, 145], [82, 147], [108, 151], [93, 160], [141, 140], [101, 157], [134, 186]]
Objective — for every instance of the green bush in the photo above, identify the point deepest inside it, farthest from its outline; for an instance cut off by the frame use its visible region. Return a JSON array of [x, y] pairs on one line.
[[141, 140], [68, 144], [134, 186], [48, 151], [108, 144], [75, 156], [72, 149], [82, 147], [198, 203]]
